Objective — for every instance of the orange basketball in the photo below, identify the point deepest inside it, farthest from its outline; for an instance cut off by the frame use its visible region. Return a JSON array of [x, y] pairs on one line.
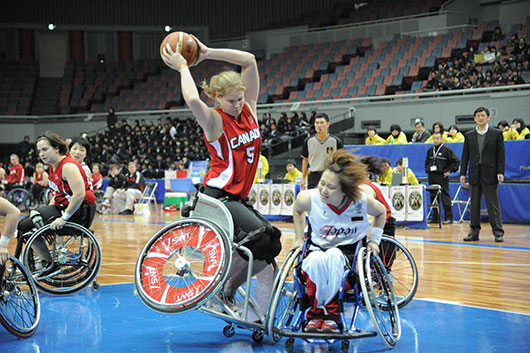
[[188, 45]]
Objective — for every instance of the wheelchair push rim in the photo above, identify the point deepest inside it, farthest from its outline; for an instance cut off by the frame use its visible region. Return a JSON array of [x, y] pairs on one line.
[[19, 299], [182, 266], [76, 259]]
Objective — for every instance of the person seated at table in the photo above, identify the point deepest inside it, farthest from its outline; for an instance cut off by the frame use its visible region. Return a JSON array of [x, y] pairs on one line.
[[385, 177], [421, 134], [454, 135], [504, 126], [293, 174], [373, 138], [411, 178], [396, 135], [518, 130], [438, 127], [262, 171]]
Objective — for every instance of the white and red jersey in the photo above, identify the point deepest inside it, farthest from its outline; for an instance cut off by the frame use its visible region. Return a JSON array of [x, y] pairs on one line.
[[381, 197], [60, 188], [16, 174], [97, 181], [331, 227], [88, 174], [235, 154]]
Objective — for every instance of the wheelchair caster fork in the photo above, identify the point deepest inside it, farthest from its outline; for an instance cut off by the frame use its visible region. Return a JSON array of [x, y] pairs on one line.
[[289, 345], [345, 346], [229, 331], [257, 336]]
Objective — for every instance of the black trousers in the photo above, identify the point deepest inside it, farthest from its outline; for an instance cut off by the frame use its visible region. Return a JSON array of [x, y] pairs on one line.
[[437, 178], [312, 179], [491, 197], [84, 216]]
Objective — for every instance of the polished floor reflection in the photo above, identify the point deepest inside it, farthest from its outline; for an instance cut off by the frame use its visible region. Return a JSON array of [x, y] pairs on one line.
[[472, 297]]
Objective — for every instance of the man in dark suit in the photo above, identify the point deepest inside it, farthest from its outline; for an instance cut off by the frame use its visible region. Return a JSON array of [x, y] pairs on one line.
[[484, 152]]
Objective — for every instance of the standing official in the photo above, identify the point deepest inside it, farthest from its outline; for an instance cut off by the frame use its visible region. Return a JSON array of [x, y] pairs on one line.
[[440, 162], [316, 150], [484, 152]]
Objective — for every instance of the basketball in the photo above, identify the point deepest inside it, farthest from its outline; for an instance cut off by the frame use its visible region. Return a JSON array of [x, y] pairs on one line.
[[188, 45]]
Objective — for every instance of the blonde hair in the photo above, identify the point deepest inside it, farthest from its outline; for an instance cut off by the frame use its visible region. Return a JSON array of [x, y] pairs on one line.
[[351, 172], [222, 83], [39, 164]]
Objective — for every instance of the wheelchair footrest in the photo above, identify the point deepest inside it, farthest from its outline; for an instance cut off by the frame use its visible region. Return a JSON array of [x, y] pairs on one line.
[[327, 336]]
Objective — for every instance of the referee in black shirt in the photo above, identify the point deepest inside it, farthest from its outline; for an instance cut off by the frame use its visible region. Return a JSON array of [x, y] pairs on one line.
[[316, 150]]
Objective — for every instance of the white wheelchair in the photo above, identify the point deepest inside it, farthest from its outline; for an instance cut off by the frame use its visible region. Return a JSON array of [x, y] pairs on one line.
[[185, 264]]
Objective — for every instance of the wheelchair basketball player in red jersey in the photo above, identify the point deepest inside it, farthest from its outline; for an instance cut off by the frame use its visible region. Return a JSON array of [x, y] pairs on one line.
[[232, 135]]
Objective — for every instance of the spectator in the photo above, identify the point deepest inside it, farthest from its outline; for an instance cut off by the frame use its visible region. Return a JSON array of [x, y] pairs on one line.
[[262, 170], [497, 34], [124, 198], [518, 129], [396, 135], [24, 147], [316, 150], [373, 138], [117, 180], [521, 47], [505, 128], [421, 134], [440, 162], [293, 174], [454, 135], [411, 178], [112, 120], [385, 178]]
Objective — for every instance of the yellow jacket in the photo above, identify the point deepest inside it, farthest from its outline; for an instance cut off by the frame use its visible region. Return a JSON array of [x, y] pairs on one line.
[[377, 140], [295, 174], [386, 178], [459, 137], [402, 138], [411, 177], [507, 134], [515, 135], [264, 169]]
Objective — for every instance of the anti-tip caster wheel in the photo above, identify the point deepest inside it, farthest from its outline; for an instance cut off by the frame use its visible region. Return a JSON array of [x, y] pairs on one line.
[[257, 336], [289, 345], [229, 331], [95, 285]]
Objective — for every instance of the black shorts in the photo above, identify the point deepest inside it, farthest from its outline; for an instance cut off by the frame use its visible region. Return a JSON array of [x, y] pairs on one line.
[[265, 247], [83, 216]]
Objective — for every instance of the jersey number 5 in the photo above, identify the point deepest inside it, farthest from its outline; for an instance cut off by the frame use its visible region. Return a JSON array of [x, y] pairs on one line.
[[250, 154]]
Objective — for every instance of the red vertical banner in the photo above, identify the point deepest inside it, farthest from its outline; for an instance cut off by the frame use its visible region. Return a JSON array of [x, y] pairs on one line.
[[77, 46], [26, 41], [125, 45]]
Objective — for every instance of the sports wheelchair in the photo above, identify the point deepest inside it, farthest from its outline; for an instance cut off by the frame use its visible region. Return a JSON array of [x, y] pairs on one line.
[[23, 199], [19, 299], [370, 288], [185, 265], [75, 256]]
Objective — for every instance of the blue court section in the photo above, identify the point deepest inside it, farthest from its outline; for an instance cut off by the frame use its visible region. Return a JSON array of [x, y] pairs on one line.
[[113, 320]]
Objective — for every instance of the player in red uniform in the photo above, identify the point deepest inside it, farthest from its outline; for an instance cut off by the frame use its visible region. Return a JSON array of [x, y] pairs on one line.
[[16, 175], [72, 197], [79, 148], [232, 135], [40, 182]]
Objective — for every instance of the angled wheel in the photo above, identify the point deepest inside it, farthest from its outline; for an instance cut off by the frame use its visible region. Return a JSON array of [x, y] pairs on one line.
[[19, 299], [401, 269], [182, 266], [20, 198], [376, 287], [75, 258], [284, 306]]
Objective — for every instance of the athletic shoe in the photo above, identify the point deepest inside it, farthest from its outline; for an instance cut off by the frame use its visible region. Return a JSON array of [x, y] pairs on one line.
[[330, 326], [106, 204], [126, 212], [314, 325], [228, 302]]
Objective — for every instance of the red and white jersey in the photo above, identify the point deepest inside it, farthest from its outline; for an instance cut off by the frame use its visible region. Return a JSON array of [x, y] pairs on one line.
[[331, 227], [381, 197], [37, 177], [60, 188], [88, 174], [97, 181], [16, 174], [235, 154]]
